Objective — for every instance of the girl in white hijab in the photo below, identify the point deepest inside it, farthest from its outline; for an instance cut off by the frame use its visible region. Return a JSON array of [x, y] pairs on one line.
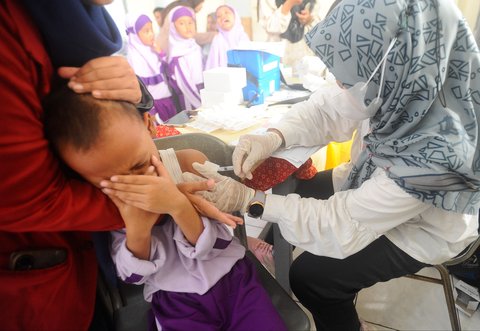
[[184, 56]]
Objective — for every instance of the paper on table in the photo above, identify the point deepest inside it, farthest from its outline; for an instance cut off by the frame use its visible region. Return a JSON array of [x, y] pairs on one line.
[[296, 155], [286, 94], [226, 117]]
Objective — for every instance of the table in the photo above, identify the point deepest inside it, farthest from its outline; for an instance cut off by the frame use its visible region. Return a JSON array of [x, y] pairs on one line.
[[267, 115]]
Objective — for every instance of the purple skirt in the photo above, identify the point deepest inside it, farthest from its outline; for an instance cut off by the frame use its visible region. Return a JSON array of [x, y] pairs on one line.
[[165, 108], [237, 302]]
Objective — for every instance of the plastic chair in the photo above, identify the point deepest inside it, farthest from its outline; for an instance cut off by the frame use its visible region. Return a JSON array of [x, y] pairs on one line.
[[126, 302], [446, 282]]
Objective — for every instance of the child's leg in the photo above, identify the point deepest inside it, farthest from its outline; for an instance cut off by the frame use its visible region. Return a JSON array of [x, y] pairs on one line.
[[252, 308], [186, 311]]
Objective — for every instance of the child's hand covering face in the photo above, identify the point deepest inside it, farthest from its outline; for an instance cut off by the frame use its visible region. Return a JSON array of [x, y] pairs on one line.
[[225, 18], [157, 194], [185, 26], [137, 218]]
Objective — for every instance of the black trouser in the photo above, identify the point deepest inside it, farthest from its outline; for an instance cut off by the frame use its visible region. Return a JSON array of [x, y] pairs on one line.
[[327, 286]]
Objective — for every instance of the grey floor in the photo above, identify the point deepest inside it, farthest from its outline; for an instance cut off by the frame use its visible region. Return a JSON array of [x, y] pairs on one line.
[[400, 304]]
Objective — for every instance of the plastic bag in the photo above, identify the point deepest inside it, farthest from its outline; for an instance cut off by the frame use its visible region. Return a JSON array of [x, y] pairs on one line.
[[296, 30]]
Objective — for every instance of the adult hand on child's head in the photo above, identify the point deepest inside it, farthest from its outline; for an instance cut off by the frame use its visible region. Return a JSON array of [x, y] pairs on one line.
[[203, 206], [228, 195], [109, 77]]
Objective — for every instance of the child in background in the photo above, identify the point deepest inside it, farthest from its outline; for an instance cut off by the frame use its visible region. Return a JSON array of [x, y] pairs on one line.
[[185, 66], [195, 273], [211, 23], [148, 65], [211, 28], [231, 34]]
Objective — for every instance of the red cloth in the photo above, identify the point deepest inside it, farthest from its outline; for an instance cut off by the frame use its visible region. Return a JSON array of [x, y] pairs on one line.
[[37, 201], [165, 131], [274, 171]]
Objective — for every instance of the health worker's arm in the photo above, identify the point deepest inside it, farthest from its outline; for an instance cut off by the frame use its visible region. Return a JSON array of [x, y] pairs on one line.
[[345, 223], [314, 123]]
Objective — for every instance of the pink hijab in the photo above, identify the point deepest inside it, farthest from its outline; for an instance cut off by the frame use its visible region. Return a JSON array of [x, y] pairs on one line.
[[225, 41]]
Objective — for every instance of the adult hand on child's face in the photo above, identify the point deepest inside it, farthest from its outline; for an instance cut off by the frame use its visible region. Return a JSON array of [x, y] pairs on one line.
[[150, 192], [228, 195], [205, 207], [109, 77]]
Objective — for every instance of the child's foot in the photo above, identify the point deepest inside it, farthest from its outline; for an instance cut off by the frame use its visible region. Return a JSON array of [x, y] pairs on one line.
[[263, 252]]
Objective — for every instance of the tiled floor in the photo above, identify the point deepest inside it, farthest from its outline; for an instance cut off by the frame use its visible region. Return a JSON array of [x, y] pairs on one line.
[[408, 304], [400, 304]]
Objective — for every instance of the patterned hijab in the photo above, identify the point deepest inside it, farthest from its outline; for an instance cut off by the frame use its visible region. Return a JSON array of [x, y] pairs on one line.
[[425, 134]]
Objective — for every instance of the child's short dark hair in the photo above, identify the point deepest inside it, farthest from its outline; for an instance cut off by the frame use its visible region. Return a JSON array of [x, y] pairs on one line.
[[78, 119], [158, 9]]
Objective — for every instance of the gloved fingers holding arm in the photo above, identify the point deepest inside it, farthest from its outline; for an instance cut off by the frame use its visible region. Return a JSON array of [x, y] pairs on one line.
[[228, 195], [203, 206]]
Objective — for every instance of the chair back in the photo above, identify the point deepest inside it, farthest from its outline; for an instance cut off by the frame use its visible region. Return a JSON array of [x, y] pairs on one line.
[[215, 149]]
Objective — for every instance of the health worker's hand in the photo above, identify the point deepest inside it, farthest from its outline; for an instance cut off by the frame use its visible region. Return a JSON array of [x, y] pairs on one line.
[[203, 206], [251, 150], [109, 77], [228, 195]]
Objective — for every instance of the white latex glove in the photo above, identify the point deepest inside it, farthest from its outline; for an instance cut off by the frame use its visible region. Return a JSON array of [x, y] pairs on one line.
[[251, 149], [228, 195]]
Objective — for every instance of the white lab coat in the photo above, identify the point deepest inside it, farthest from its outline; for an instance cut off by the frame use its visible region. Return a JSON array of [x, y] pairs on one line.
[[350, 220]]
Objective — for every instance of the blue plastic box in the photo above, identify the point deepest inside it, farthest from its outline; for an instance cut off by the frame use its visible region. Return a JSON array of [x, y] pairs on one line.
[[263, 73]]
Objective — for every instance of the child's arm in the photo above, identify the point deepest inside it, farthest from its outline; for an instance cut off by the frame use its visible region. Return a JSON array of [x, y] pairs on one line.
[[132, 269], [186, 157], [138, 225]]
